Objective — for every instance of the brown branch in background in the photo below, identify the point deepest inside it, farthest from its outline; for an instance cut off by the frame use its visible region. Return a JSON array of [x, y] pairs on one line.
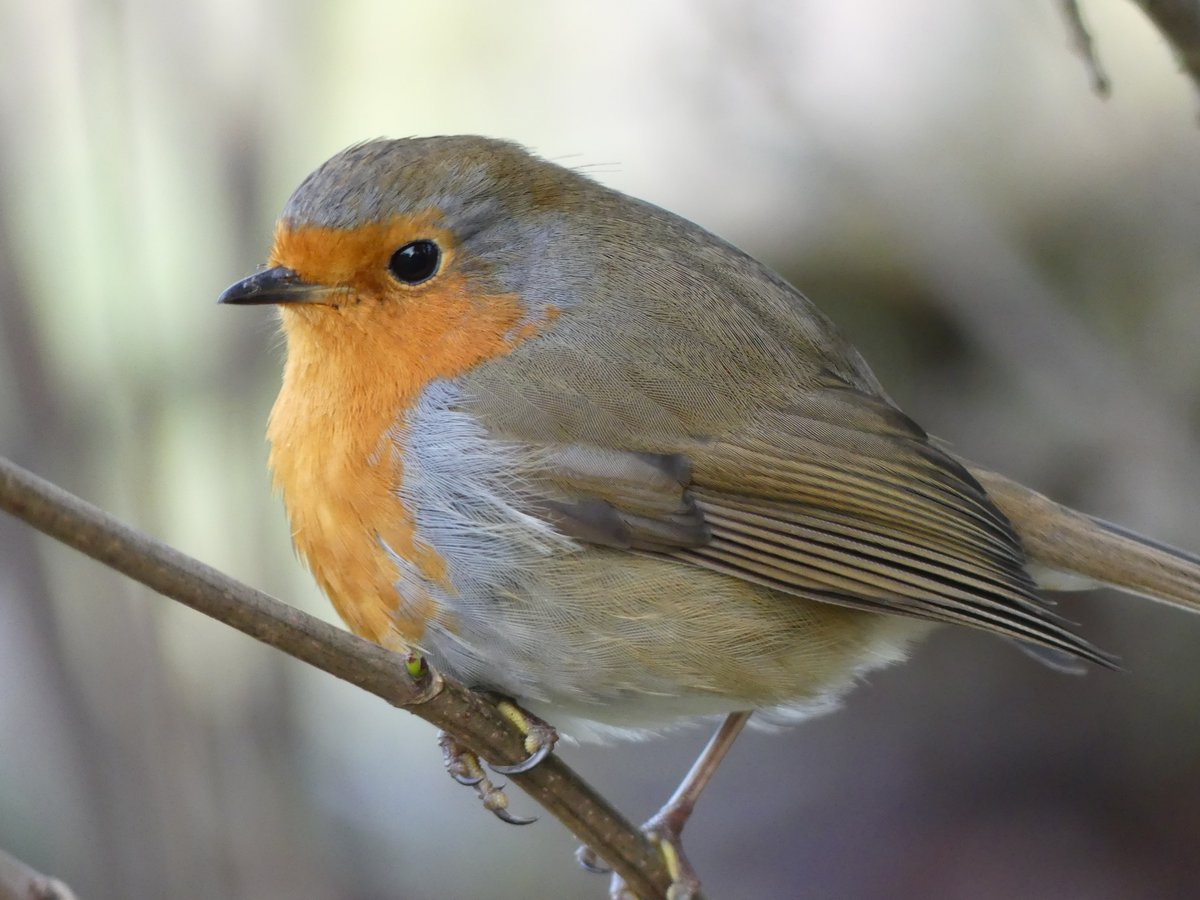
[[1177, 20], [20, 882], [470, 719]]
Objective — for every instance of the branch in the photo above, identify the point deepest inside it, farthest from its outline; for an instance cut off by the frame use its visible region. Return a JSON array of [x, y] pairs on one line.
[[472, 720], [1179, 21], [20, 882]]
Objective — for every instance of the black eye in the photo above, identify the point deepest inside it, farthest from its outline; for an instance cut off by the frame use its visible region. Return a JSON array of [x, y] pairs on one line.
[[415, 262]]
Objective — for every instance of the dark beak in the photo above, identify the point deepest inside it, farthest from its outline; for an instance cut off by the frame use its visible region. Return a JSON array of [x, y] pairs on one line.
[[277, 285]]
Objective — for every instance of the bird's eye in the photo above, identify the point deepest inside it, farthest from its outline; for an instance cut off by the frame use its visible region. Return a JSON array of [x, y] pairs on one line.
[[415, 262]]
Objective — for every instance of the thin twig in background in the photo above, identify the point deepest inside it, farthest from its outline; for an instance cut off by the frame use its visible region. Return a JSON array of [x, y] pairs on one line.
[[469, 718], [1082, 39]]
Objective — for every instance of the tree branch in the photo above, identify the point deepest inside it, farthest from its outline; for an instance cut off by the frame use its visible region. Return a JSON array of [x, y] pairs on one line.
[[1179, 22], [471, 719]]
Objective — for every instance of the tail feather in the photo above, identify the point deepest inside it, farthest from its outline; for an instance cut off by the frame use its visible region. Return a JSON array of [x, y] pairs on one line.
[[1069, 549]]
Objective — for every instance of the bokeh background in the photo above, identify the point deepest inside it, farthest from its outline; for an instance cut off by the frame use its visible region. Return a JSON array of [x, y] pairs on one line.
[[1018, 258]]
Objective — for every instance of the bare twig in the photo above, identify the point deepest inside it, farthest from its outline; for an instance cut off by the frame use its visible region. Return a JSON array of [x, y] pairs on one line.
[[1082, 39], [468, 717], [21, 882]]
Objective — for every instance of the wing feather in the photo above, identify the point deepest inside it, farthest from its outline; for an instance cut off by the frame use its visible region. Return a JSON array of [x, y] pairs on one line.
[[837, 497]]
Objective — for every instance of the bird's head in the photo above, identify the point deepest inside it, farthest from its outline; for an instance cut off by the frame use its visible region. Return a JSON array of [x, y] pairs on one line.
[[433, 245]]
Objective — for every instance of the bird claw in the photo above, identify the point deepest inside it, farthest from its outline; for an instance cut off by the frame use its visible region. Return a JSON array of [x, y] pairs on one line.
[[666, 836], [590, 861], [461, 764], [465, 768], [540, 738], [495, 801], [685, 884], [505, 816], [541, 749]]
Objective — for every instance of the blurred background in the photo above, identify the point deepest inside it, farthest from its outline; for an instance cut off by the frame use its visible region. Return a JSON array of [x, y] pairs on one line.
[[1019, 259]]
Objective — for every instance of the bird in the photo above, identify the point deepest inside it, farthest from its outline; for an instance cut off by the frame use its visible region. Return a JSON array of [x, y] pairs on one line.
[[576, 451]]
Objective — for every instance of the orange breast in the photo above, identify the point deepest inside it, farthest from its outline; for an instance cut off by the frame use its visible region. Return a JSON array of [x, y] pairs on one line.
[[337, 428]]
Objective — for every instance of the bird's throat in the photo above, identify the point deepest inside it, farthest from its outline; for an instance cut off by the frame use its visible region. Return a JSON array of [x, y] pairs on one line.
[[336, 435]]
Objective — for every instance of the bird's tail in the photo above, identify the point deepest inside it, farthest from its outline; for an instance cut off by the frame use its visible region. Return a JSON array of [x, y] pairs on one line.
[[1070, 550]]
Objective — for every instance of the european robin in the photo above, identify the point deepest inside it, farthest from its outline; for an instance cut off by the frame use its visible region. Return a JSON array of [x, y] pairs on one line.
[[577, 451]]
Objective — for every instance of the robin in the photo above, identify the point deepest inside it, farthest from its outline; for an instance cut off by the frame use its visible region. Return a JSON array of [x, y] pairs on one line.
[[579, 452]]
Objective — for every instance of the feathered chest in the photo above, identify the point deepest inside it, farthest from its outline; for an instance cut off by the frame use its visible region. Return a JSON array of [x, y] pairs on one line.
[[337, 438]]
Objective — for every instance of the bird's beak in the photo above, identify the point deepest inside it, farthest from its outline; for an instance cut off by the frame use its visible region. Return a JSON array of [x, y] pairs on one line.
[[277, 285]]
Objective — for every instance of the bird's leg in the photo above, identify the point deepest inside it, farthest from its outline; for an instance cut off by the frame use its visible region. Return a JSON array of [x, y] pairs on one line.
[[465, 768], [665, 827]]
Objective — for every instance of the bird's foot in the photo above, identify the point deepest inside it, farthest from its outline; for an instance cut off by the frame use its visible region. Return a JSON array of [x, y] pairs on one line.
[[540, 737], [666, 834], [464, 767], [665, 831], [665, 828]]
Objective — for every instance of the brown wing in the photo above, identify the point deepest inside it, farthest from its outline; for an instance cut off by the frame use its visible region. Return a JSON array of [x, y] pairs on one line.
[[840, 498]]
